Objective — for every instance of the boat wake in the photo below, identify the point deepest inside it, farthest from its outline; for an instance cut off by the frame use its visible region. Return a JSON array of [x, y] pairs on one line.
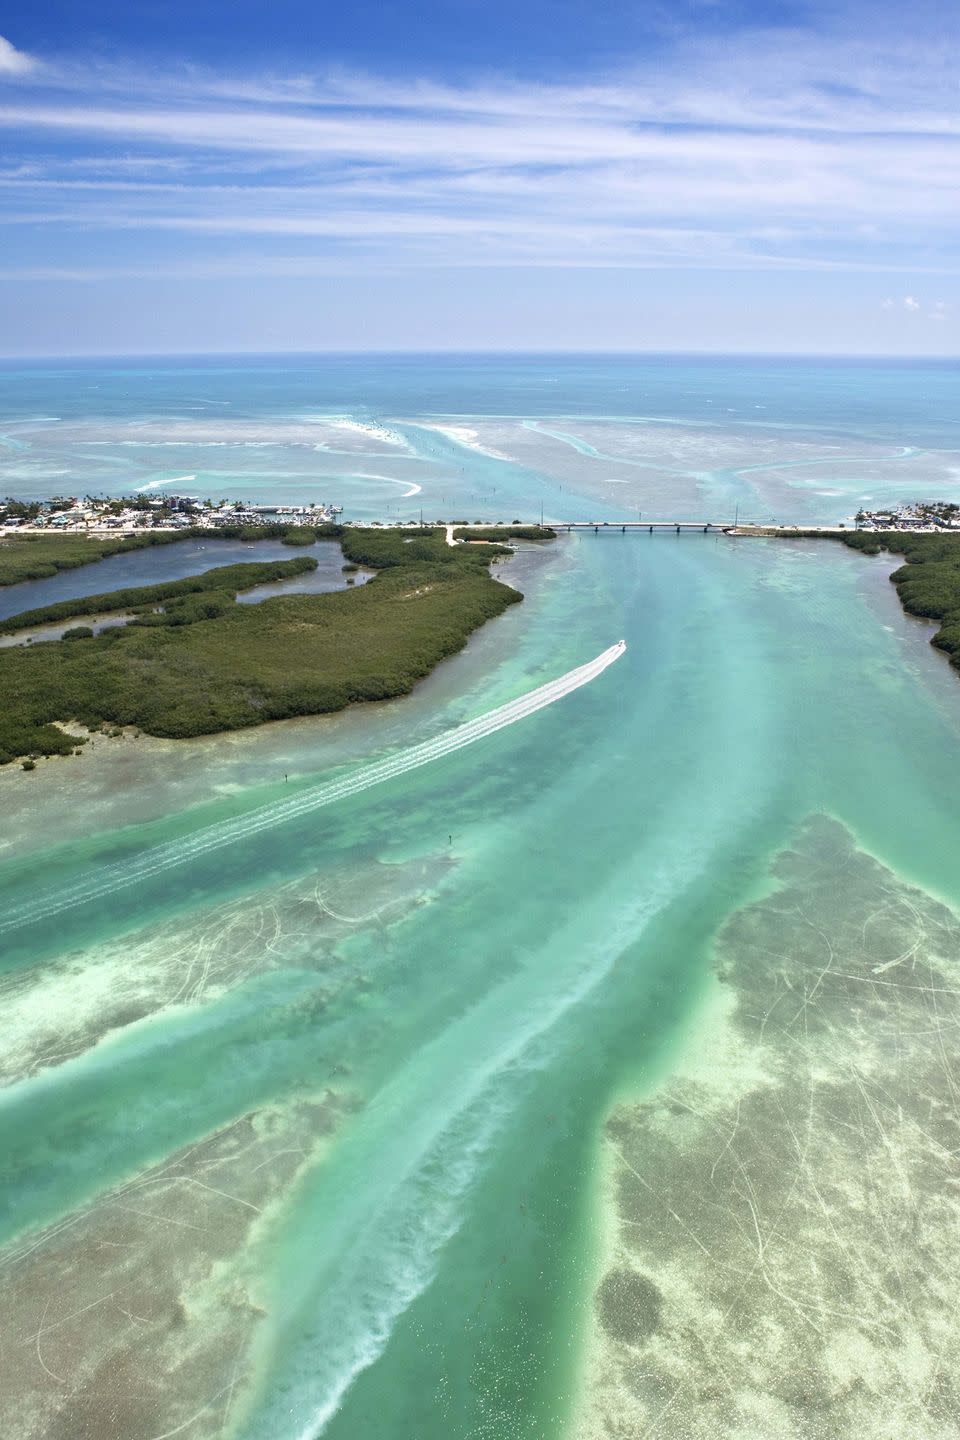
[[230, 832]]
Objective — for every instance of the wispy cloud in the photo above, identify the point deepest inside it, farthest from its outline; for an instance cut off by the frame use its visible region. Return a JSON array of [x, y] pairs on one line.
[[786, 151], [13, 61]]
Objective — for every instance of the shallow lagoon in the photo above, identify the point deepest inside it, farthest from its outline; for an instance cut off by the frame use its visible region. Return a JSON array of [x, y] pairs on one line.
[[157, 563], [333, 1111], [189, 558]]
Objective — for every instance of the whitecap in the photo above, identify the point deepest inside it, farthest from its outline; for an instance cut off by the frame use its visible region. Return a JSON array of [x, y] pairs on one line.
[[158, 484], [412, 487]]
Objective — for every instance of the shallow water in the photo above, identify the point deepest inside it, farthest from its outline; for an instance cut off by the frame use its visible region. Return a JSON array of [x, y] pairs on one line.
[[327, 1110]]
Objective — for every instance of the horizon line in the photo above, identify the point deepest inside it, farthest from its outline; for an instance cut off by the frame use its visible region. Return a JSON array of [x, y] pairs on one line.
[[493, 351]]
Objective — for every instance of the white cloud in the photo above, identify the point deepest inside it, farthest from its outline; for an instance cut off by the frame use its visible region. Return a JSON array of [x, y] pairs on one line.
[[791, 153], [930, 309], [13, 61]]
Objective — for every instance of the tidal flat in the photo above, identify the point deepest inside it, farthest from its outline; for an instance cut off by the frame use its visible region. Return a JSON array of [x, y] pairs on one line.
[[160, 1269], [786, 1205]]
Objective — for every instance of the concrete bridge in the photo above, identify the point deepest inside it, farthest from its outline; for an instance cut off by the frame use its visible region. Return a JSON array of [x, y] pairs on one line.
[[718, 527]]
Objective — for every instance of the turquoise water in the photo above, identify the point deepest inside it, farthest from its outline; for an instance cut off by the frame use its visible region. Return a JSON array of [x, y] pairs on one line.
[[722, 431], [416, 1007]]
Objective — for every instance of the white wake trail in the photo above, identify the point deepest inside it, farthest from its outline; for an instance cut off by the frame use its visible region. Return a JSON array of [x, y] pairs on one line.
[[229, 832]]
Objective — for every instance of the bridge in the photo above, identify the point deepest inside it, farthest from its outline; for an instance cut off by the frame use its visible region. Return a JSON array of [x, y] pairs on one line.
[[717, 527]]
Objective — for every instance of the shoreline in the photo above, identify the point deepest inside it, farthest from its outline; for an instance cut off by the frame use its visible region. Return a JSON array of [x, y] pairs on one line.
[[868, 543], [455, 536], [127, 780], [204, 664]]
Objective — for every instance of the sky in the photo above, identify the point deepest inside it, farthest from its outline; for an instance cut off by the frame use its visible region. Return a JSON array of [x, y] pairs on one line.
[[702, 175]]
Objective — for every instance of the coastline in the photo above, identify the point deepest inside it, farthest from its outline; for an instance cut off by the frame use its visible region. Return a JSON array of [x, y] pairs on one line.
[[118, 780], [926, 575], [757, 687], [204, 664]]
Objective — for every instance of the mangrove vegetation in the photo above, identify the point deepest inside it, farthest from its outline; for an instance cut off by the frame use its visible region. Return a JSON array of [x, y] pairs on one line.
[[928, 584], [196, 662], [227, 580], [504, 532], [37, 557]]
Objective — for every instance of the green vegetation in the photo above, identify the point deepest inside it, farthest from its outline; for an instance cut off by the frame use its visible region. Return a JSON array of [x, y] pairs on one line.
[[506, 532], [928, 584], [175, 595], [384, 549], [37, 557], [222, 666], [23, 510], [916, 549]]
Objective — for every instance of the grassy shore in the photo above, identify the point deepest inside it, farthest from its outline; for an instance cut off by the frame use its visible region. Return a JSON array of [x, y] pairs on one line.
[[222, 666], [37, 557], [504, 532], [175, 596]]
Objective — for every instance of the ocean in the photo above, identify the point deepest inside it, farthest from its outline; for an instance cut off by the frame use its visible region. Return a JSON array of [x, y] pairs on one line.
[[421, 1112]]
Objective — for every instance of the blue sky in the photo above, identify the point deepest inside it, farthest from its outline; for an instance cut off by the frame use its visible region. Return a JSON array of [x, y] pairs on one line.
[[389, 175]]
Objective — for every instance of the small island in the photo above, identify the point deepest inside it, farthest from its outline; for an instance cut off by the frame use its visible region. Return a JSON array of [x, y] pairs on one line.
[[189, 660]]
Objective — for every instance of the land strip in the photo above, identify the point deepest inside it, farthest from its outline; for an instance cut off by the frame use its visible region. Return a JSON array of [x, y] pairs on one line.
[[225, 582], [206, 664], [38, 556]]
